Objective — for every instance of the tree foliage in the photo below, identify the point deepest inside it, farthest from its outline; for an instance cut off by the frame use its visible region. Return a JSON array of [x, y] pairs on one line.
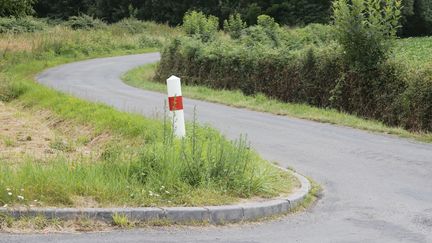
[[416, 14], [234, 26], [417, 17], [290, 12], [16, 8], [363, 28], [200, 26]]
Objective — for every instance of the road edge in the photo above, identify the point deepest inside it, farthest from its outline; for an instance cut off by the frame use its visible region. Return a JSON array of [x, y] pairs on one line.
[[236, 213]]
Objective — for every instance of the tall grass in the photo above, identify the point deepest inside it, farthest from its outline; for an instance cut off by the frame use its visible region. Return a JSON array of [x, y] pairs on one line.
[[203, 169], [144, 165]]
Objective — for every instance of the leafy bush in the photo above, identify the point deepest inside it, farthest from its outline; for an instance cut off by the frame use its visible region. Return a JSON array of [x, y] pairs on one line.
[[21, 25], [416, 101], [16, 8], [364, 28], [267, 32], [146, 41], [313, 34], [132, 26], [234, 26], [306, 65], [200, 26], [84, 22]]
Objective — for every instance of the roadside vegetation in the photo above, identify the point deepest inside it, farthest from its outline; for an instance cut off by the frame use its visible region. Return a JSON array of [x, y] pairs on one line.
[[361, 71], [90, 155], [142, 77]]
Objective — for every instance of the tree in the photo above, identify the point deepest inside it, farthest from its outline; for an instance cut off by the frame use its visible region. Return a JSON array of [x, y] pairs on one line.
[[417, 17], [16, 8]]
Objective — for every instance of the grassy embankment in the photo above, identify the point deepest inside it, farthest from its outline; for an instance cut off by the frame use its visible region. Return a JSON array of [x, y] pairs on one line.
[[98, 156], [415, 52]]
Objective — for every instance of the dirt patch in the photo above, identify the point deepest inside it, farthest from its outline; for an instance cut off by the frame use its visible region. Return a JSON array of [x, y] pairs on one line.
[[84, 202], [41, 135]]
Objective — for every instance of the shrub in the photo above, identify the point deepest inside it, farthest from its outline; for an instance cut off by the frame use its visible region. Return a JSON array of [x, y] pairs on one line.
[[313, 34], [21, 25], [270, 27], [369, 86], [234, 26], [274, 72], [149, 41], [304, 72], [132, 26], [267, 32], [84, 22], [16, 8], [364, 28], [200, 26], [416, 111]]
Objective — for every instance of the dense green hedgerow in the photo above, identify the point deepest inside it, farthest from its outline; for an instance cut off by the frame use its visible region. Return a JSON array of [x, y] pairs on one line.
[[304, 66], [84, 22], [21, 25]]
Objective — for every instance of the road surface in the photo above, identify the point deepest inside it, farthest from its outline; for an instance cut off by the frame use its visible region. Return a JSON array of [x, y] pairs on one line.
[[377, 188]]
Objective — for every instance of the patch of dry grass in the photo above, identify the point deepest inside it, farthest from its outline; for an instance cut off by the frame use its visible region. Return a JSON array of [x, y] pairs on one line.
[[40, 135]]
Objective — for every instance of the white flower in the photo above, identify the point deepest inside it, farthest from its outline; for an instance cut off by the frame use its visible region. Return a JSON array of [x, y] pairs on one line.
[[22, 189], [20, 197], [10, 193], [5, 206], [167, 192], [8, 189]]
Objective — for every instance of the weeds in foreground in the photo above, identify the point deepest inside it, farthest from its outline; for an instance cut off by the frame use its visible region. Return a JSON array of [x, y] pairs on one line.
[[121, 221]]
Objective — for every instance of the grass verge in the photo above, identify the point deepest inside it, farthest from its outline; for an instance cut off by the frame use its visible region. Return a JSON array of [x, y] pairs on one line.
[[142, 78], [141, 164]]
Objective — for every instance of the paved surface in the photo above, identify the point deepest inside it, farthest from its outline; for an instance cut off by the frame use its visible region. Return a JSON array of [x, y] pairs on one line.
[[377, 188]]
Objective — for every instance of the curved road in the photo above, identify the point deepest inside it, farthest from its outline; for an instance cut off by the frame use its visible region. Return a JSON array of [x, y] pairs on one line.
[[377, 188]]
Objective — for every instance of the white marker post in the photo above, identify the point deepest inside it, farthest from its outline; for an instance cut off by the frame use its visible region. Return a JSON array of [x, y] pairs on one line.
[[175, 102]]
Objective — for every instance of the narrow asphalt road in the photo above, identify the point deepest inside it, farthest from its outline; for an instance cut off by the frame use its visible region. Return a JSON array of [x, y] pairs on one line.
[[377, 188]]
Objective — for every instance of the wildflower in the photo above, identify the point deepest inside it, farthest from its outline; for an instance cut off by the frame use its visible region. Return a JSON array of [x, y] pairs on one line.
[[20, 197], [8, 189], [167, 192], [10, 193], [5, 206], [22, 189]]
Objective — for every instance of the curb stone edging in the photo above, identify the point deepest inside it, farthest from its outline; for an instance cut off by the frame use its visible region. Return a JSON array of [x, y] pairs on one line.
[[212, 214]]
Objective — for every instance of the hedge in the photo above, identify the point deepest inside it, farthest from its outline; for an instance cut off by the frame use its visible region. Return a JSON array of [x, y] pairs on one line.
[[312, 74]]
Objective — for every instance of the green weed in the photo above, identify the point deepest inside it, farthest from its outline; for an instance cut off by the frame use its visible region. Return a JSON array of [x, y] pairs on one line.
[[121, 221]]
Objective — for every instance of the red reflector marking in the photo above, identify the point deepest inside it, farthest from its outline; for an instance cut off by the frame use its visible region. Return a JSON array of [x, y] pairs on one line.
[[175, 103]]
